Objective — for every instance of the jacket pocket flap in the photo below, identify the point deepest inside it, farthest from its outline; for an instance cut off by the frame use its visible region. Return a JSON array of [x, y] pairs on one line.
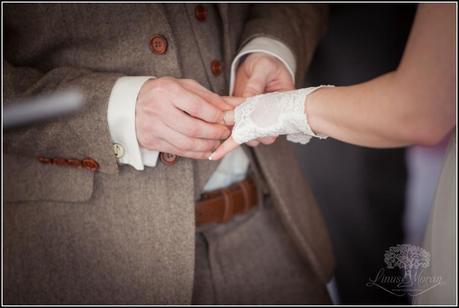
[[26, 179]]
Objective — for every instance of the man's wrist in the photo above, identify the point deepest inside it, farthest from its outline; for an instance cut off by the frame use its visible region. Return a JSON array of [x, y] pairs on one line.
[[121, 120]]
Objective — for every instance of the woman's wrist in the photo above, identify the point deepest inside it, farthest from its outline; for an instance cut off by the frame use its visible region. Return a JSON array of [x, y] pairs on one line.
[[312, 110]]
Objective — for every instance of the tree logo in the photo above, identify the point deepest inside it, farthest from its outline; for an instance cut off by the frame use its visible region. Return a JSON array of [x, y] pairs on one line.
[[406, 265]]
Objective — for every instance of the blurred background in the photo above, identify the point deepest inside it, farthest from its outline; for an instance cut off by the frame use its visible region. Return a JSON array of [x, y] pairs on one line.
[[371, 199]]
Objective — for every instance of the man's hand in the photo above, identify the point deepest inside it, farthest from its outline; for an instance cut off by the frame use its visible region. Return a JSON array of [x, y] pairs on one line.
[[258, 74], [179, 116]]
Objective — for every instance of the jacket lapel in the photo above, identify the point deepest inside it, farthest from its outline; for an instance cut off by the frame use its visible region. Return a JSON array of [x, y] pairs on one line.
[[296, 207]]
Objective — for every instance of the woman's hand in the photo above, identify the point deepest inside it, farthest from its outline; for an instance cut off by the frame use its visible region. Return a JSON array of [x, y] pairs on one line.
[[267, 115]]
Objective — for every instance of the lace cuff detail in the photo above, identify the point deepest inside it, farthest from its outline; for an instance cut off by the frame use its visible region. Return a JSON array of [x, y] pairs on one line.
[[274, 114]]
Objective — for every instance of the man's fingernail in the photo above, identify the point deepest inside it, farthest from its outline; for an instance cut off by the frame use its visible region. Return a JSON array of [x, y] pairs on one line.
[[210, 156]]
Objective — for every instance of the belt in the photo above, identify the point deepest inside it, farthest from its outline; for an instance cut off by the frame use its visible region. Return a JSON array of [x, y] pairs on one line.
[[221, 205]]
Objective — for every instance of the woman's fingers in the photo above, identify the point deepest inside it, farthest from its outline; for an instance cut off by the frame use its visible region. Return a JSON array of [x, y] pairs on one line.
[[253, 143], [224, 149], [230, 145], [267, 140], [228, 116]]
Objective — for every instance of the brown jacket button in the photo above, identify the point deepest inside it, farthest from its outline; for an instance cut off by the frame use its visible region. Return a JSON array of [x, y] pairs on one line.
[[59, 161], [44, 160], [216, 67], [168, 159], [90, 164], [74, 163], [200, 12], [158, 44]]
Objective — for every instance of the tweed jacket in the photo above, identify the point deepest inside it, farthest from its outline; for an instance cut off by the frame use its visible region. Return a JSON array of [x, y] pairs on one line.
[[117, 235]]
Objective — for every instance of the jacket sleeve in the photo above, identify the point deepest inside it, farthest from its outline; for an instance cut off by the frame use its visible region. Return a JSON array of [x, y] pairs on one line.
[[83, 134], [299, 26]]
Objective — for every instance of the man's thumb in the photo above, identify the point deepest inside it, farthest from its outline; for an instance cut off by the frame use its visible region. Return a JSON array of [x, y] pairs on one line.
[[233, 100], [256, 84]]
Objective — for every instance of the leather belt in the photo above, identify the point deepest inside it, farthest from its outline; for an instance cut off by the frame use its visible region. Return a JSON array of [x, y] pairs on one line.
[[221, 205]]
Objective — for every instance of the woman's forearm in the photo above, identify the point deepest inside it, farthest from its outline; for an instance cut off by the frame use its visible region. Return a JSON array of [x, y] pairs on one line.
[[414, 104], [375, 114]]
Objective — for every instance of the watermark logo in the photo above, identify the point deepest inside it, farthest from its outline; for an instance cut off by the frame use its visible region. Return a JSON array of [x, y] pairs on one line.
[[405, 271]]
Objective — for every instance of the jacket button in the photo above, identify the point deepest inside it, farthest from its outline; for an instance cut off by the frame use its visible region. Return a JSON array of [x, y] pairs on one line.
[[74, 163], [90, 164], [59, 161], [158, 44], [200, 12], [44, 160], [216, 67], [168, 159]]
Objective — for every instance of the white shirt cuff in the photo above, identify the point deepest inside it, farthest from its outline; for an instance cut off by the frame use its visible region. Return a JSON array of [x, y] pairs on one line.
[[121, 123], [267, 45]]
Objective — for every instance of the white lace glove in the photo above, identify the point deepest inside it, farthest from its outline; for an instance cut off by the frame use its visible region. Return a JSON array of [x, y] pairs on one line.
[[274, 114]]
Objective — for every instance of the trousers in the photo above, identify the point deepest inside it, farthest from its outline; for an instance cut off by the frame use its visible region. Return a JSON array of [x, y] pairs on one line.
[[251, 260]]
